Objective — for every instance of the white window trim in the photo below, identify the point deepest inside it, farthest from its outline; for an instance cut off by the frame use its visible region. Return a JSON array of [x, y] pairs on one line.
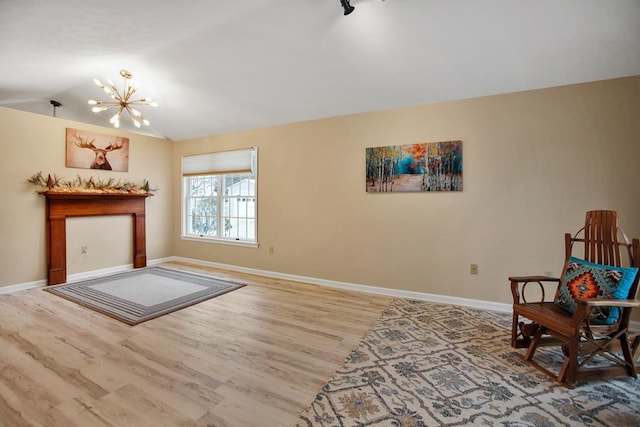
[[215, 240]]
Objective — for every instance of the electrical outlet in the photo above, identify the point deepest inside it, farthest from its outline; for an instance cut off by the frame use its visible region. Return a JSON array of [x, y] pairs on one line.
[[474, 269], [84, 250], [270, 250]]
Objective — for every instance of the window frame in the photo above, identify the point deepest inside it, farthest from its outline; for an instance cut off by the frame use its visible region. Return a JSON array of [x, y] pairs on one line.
[[220, 211]]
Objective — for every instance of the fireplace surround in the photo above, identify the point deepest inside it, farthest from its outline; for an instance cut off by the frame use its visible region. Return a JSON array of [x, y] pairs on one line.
[[61, 205]]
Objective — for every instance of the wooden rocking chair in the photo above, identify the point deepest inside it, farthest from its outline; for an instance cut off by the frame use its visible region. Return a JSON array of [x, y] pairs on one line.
[[578, 334]]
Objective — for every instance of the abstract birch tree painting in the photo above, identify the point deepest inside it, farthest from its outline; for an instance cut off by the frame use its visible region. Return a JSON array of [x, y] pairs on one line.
[[422, 167]]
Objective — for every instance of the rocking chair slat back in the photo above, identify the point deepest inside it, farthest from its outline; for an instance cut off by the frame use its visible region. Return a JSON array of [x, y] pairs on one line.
[[600, 236], [601, 231]]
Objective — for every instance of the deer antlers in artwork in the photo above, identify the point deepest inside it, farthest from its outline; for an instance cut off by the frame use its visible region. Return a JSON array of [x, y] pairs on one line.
[[100, 162]]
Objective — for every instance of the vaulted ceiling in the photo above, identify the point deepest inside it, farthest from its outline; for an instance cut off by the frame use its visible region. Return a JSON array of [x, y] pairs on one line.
[[222, 66]]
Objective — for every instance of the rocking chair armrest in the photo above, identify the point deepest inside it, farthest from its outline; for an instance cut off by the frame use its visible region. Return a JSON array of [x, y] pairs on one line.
[[585, 306], [516, 281], [609, 302], [525, 279]]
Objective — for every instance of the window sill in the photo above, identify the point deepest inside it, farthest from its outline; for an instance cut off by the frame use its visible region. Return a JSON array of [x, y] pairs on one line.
[[220, 241]]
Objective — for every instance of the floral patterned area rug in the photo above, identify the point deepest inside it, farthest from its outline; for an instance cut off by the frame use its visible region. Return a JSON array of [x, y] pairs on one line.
[[428, 364]]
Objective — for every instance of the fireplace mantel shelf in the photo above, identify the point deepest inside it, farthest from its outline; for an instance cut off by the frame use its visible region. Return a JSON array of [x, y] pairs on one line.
[[63, 204], [84, 194]]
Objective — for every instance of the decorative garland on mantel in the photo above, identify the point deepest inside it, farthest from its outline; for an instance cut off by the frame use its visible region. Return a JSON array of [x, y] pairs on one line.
[[89, 185]]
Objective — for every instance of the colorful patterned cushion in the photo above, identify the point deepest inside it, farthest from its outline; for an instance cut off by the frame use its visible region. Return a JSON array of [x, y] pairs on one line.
[[585, 279]]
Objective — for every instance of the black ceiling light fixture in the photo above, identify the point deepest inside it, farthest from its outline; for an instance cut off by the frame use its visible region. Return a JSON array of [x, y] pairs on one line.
[[55, 104], [347, 7]]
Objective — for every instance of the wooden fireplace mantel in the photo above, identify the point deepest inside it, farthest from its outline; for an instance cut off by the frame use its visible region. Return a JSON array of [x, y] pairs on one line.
[[61, 205]]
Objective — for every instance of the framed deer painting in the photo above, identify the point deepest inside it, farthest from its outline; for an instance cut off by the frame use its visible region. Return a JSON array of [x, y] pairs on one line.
[[88, 150]]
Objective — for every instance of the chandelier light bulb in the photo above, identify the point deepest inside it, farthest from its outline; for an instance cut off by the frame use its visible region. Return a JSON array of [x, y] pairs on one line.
[[122, 101]]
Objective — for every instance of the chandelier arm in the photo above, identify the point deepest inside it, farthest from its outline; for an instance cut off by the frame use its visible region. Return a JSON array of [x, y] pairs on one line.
[[130, 111], [130, 90], [118, 115], [115, 94], [133, 116], [108, 103], [141, 101], [125, 87], [137, 117]]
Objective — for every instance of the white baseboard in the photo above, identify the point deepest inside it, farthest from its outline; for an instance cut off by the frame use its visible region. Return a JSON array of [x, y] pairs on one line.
[[22, 287], [480, 304], [76, 277]]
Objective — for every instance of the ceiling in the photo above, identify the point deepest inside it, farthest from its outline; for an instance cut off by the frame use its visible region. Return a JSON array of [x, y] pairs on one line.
[[222, 66]]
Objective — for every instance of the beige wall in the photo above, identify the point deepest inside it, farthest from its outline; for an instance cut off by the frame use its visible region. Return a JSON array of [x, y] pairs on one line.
[[534, 162], [30, 143]]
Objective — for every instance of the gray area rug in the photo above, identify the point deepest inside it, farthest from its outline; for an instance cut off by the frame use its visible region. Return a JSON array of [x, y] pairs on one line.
[[139, 295], [427, 364]]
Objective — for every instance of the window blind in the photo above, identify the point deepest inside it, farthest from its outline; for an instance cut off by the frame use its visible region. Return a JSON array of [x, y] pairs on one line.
[[223, 162]]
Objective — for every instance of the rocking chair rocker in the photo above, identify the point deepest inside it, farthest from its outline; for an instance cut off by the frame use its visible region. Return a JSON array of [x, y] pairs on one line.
[[601, 297]]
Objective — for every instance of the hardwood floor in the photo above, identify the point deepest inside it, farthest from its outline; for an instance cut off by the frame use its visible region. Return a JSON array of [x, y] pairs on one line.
[[254, 357]]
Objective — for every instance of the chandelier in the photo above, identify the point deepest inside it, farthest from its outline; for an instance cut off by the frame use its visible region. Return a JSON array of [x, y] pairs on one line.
[[122, 101]]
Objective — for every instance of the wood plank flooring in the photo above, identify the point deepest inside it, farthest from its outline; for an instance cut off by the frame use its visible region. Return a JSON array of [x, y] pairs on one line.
[[254, 357]]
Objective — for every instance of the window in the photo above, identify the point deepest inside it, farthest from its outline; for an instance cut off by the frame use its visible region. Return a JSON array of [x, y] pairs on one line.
[[219, 194]]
